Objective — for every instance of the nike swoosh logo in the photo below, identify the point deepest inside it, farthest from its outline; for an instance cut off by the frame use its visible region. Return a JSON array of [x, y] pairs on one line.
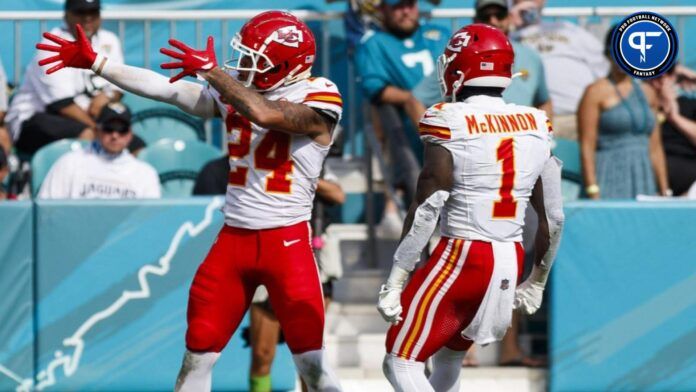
[[289, 243], [204, 59]]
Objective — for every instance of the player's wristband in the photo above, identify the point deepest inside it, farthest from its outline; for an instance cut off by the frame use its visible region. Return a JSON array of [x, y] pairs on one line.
[[592, 189], [397, 277], [99, 63]]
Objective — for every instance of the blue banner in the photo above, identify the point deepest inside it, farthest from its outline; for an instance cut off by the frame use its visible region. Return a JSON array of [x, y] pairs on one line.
[[112, 281], [623, 306], [16, 299]]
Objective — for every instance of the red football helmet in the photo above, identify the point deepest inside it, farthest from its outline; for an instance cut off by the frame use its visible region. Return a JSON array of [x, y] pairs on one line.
[[272, 49], [476, 55]]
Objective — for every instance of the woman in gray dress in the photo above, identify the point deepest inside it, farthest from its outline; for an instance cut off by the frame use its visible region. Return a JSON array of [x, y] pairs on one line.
[[620, 144]]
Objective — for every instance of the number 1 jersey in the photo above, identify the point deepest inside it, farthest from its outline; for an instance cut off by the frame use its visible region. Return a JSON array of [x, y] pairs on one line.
[[498, 152], [273, 175]]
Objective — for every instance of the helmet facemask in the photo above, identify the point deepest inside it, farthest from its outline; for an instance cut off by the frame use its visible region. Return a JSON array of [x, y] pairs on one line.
[[246, 59]]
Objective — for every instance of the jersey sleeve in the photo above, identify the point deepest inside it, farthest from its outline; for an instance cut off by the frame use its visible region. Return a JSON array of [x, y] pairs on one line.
[[370, 65], [115, 54], [323, 96], [433, 127]]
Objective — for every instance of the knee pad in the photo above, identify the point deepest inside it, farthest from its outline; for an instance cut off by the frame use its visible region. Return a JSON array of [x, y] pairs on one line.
[[202, 336]]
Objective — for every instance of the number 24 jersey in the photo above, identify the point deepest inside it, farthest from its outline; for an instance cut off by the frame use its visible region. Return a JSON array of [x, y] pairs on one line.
[[273, 175], [498, 152]]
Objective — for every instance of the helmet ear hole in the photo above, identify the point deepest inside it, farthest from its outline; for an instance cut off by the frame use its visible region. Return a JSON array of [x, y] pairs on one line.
[[275, 69], [476, 37]]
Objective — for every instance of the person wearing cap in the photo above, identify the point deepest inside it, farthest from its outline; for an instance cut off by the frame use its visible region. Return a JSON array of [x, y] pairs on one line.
[[573, 59], [396, 67], [66, 104], [105, 169]]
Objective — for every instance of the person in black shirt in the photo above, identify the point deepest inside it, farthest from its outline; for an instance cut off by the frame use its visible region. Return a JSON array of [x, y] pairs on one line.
[[678, 132]]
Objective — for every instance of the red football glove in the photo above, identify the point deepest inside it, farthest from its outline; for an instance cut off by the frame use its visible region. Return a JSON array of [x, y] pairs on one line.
[[75, 54], [191, 60]]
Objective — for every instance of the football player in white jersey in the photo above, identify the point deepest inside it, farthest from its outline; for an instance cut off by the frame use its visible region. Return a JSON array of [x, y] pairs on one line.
[[484, 161], [279, 127]]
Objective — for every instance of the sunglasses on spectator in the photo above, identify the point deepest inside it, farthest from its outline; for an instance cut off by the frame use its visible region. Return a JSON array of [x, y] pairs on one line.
[[119, 128]]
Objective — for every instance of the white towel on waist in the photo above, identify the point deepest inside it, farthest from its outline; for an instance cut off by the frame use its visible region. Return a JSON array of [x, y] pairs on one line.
[[495, 312]]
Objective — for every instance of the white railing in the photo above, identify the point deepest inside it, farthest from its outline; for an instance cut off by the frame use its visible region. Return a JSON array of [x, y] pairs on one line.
[[456, 16]]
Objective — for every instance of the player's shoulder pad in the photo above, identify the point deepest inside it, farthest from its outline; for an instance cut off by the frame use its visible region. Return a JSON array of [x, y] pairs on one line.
[[433, 125], [322, 91]]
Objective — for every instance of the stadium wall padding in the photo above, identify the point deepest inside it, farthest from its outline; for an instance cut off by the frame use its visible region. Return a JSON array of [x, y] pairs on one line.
[[16, 294], [623, 301], [112, 281]]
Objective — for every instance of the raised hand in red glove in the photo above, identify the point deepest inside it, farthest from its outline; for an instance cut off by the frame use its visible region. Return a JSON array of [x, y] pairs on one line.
[[191, 60], [75, 54]]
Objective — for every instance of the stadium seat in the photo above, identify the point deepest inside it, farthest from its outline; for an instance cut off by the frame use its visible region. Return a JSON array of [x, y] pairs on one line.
[[569, 152], [137, 103], [156, 124], [47, 155], [178, 162]]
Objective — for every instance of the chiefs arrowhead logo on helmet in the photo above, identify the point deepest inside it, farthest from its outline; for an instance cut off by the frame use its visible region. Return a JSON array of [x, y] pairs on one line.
[[288, 36], [458, 41]]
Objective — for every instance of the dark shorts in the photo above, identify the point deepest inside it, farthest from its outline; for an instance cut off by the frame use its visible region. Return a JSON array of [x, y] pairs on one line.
[[43, 128]]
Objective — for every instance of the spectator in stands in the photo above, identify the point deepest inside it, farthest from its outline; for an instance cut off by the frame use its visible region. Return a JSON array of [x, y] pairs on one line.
[[572, 59], [529, 89], [65, 105], [361, 16], [104, 170], [678, 114], [396, 66], [213, 177], [620, 143]]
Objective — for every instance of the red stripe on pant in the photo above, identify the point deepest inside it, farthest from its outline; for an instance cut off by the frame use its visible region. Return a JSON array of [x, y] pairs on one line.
[[458, 303]]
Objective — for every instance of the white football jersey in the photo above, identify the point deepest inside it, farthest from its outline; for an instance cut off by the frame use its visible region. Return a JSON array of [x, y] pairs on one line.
[[273, 174], [498, 151]]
